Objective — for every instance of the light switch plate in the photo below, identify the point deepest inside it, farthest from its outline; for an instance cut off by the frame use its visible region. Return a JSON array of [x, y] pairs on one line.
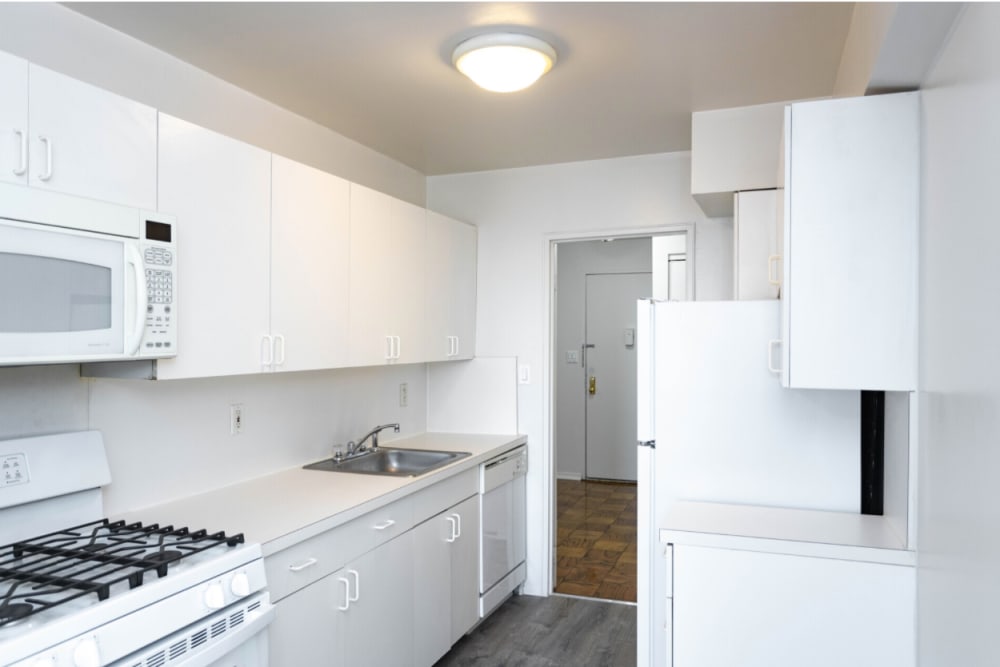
[[524, 374]]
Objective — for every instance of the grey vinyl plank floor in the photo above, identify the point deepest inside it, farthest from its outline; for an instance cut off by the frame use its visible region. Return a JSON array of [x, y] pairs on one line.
[[555, 631]]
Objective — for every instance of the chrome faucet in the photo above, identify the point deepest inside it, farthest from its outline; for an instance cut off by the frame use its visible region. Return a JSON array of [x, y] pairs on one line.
[[358, 447]]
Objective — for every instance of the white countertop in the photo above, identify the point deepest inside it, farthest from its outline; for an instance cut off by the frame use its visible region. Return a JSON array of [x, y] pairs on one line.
[[288, 506], [841, 535]]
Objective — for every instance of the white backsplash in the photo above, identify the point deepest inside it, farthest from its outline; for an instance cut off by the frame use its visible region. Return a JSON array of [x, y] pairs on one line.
[[169, 439]]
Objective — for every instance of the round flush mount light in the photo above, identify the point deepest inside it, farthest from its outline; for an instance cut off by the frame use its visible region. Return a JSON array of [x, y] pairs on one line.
[[504, 61]]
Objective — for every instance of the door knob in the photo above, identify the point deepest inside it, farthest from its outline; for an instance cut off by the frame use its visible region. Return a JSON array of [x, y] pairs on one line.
[[592, 385]]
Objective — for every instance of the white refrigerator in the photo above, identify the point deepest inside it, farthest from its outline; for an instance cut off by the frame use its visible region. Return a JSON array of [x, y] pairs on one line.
[[715, 425]]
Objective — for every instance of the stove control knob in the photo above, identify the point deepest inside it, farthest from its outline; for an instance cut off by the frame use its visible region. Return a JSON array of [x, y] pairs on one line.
[[86, 654], [215, 597], [240, 585]]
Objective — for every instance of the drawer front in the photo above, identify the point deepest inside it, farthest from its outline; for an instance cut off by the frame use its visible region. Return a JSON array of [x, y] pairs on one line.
[[437, 498], [381, 525], [306, 562]]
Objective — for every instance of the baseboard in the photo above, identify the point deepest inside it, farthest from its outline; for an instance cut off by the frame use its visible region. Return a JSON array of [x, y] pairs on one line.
[[574, 476]]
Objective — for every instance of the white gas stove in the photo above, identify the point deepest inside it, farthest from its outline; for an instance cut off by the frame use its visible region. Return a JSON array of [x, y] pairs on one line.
[[101, 592]]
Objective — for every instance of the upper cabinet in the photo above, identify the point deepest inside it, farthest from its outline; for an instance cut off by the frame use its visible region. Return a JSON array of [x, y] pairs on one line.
[[219, 189], [451, 288], [850, 235], [68, 136], [388, 239], [756, 255], [310, 267]]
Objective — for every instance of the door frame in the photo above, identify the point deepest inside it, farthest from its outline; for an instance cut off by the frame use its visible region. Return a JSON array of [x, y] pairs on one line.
[[549, 260]]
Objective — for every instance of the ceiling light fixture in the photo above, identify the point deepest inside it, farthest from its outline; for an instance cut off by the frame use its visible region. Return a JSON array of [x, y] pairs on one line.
[[505, 61]]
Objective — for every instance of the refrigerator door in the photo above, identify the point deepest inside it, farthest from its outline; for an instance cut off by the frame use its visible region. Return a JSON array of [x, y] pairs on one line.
[[728, 432], [646, 540]]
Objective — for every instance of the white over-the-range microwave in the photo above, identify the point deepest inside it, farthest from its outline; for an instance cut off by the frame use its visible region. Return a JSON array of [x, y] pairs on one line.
[[84, 280]]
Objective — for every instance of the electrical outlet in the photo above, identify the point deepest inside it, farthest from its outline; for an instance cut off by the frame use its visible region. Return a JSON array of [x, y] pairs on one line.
[[235, 419], [404, 395]]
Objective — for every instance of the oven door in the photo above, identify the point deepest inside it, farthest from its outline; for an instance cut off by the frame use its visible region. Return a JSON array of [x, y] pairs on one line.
[[68, 296]]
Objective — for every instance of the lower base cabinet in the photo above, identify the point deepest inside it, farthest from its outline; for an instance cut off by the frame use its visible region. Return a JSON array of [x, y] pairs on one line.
[[732, 607], [399, 602], [446, 578]]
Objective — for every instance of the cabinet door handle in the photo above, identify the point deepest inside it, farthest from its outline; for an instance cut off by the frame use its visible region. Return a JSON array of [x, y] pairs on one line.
[[298, 567], [357, 586], [384, 525], [47, 174], [399, 347], [770, 356], [22, 140], [279, 346], [388, 347], [772, 262], [458, 525], [456, 346], [266, 350], [347, 594], [451, 529]]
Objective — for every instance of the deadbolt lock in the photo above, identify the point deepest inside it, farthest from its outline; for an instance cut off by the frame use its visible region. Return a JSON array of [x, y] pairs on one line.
[[592, 385]]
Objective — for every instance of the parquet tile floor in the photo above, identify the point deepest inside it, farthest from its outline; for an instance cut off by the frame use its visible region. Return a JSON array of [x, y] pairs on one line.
[[595, 539]]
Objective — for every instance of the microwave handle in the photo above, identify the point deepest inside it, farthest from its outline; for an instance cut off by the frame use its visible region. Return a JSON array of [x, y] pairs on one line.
[[134, 259]]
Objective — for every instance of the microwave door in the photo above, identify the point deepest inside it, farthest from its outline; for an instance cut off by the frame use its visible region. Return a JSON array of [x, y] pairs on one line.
[[63, 294]]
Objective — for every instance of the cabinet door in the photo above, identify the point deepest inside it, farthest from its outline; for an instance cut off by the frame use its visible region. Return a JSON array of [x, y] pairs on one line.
[[13, 119], [219, 189], [89, 142], [310, 266], [451, 288], [755, 244], [378, 628], [432, 594], [387, 281], [851, 241], [773, 610], [305, 628], [465, 569]]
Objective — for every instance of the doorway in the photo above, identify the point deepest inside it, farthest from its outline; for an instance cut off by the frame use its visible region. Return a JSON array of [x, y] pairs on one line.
[[596, 283]]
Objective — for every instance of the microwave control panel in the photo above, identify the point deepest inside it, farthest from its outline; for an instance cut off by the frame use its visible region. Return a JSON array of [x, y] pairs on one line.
[[160, 336]]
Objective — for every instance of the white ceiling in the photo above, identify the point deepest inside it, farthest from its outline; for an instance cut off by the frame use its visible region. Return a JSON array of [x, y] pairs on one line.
[[628, 77]]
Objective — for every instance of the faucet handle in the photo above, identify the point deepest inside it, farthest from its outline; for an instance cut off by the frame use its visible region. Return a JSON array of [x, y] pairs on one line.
[[338, 452]]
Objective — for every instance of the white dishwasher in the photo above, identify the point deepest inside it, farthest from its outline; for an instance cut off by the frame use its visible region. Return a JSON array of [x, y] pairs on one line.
[[503, 520]]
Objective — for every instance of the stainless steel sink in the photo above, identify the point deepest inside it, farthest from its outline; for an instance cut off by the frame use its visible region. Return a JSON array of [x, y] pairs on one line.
[[391, 461]]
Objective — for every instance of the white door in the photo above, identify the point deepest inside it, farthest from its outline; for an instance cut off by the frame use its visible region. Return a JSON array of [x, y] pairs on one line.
[[611, 372]]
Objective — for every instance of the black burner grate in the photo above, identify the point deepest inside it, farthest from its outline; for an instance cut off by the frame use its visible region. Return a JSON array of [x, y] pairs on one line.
[[48, 570]]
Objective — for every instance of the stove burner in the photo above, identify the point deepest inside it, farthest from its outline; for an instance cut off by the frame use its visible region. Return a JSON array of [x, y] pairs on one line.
[[14, 612], [93, 559]]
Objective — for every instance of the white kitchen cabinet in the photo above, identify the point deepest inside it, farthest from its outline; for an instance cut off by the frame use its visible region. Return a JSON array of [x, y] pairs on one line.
[[64, 135], [734, 607], [61, 134], [388, 238], [756, 255], [377, 623], [305, 629], [13, 119], [450, 289], [219, 189], [446, 577], [309, 268], [849, 293]]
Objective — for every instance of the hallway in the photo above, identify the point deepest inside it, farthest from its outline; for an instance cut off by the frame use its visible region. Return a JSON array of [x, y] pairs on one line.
[[596, 539]]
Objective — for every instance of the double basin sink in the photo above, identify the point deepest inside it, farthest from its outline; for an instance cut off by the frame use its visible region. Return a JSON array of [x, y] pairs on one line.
[[391, 461]]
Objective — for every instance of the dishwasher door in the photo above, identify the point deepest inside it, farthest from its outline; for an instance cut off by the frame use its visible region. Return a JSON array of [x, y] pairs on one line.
[[503, 546]]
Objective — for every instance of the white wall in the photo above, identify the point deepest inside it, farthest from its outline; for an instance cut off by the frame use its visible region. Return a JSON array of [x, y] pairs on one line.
[[518, 212], [959, 494], [171, 438], [58, 38], [575, 261]]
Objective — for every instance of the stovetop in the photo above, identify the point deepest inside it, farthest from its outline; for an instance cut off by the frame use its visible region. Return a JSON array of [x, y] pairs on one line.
[[94, 561]]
